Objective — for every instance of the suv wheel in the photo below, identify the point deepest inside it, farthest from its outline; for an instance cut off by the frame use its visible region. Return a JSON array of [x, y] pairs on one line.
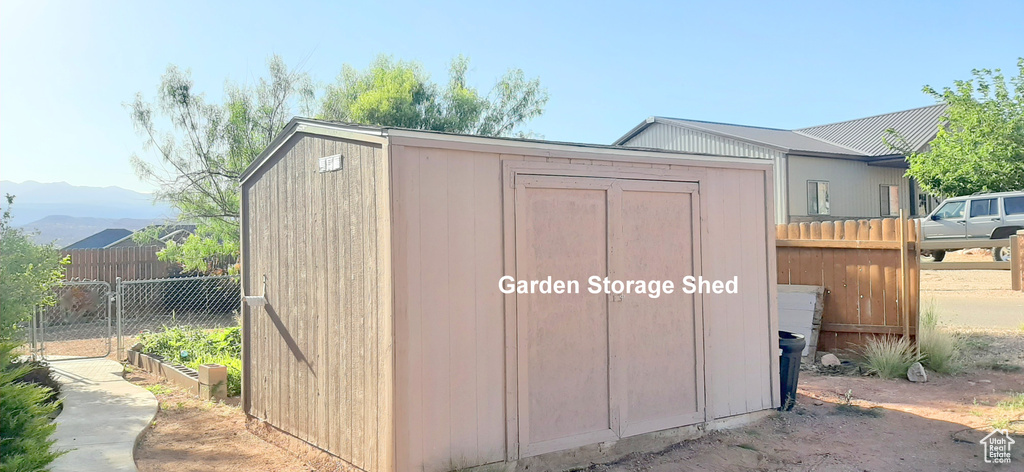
[[1001, 254], [935, 255]]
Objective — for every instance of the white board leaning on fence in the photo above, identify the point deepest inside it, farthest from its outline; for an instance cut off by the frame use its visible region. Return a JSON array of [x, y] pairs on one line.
[[800, 312]]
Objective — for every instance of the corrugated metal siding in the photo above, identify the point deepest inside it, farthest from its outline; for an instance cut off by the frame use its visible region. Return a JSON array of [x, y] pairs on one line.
[[853, 186], [318, 355], [675, 138], [916, 126]]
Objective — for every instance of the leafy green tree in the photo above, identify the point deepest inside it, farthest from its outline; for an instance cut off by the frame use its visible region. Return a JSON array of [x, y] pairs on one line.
[[211, 145], [209, 148], [399, 93], [28, 272], [980, 143]]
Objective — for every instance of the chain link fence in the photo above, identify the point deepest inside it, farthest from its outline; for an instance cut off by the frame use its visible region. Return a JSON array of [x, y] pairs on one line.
[[196, 302], [93, 319]]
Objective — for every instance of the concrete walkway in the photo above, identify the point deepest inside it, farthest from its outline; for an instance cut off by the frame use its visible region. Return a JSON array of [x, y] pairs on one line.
[[103, 416]]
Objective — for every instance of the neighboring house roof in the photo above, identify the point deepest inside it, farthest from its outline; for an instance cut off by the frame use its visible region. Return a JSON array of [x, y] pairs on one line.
[[781, 139], [917, 127], [118, 237], [101, 239], [860, 138], [164, 233]]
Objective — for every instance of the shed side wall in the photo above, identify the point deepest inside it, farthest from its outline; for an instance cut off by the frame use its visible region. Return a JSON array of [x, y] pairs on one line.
[[319, 353], [450, 316]]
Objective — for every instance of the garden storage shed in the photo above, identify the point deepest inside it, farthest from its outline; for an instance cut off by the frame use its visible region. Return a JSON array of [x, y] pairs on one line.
[[384, 335]]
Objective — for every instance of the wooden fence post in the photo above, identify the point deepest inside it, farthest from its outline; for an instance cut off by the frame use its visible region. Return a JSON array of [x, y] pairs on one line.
[[904, 278]]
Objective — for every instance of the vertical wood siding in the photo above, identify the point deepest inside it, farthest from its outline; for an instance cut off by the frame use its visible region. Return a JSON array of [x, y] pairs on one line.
[[319, 353], [449, 320]]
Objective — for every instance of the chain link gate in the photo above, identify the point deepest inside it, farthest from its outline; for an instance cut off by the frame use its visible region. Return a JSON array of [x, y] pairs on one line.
[[90, 318], [79, 325]]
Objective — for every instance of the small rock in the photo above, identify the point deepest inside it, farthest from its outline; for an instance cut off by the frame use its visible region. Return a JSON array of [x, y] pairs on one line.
[[819, 403], [137, 347], [830, 360], [985, 381], [916, 373]]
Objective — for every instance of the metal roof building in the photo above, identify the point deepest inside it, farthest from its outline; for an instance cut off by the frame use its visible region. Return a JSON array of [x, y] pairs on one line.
[[849, 158]]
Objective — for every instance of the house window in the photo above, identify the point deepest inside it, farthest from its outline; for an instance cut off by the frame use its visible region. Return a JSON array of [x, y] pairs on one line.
[[889, 199], [817, 197], [986, 207]]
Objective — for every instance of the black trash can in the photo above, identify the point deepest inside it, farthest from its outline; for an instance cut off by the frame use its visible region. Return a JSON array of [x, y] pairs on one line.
[[792, 345]]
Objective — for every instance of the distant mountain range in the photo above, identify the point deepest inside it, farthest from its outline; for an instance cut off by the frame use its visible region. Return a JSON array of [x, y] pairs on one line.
[[64, 213]]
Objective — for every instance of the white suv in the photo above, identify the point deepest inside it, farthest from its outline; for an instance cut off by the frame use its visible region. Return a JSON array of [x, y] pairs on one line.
[[976, 217]]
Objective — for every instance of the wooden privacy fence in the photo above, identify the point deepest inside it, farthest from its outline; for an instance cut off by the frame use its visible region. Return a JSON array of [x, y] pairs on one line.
[[870, 270], [129, 263]]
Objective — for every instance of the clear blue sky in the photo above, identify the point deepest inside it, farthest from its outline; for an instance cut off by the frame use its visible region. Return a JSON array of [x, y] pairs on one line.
[[67, 68]]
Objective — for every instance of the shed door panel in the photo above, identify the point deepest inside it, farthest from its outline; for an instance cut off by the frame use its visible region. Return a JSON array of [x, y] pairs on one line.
[[660, 351], [563, 339]]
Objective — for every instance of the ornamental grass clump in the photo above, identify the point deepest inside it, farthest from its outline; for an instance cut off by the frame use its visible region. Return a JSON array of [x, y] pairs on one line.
[[889, 356]]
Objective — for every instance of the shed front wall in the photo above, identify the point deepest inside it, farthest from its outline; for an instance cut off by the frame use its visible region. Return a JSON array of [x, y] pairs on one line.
[[454, 402], [318, 356]]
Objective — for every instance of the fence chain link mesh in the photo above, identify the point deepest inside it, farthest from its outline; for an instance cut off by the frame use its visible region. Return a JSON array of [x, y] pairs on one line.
[[196, 302], [93, 319]]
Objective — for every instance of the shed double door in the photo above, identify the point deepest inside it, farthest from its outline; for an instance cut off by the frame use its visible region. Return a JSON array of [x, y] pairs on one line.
[[597, 367]]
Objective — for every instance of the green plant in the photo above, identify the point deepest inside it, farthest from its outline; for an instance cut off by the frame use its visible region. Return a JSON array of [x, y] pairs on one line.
[[27, 273], [37, 373], [159, 389], [939, 349], [889, 356], [929, 318], [25, 426], [193, 347]]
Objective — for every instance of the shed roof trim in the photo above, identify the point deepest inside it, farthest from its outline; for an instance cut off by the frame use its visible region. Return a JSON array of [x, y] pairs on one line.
[[381, 135]]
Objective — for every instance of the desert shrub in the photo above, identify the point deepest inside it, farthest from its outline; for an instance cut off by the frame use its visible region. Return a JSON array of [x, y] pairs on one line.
[[25, 426], [192, 347], [889, 356], [940, 350]]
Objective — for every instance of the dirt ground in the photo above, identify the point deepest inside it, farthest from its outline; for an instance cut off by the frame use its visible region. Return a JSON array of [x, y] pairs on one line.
[[864, 423], [845, 422], [193, 435], [840, 423]]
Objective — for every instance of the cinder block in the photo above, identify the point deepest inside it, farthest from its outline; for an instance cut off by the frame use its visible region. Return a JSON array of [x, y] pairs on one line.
[[213, 381]]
